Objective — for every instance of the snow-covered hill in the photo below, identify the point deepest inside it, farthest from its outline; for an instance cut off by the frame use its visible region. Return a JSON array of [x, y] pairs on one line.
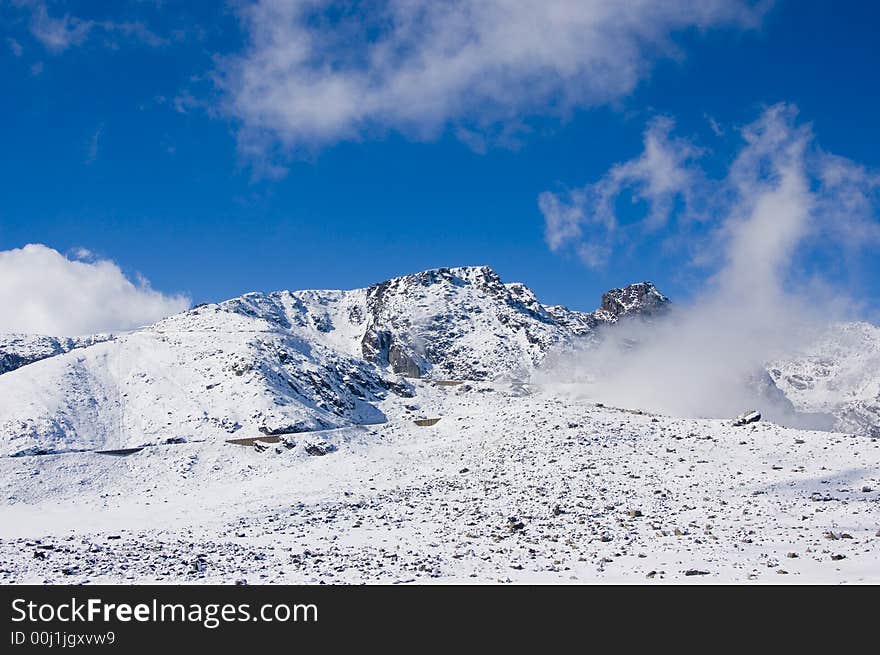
[[283, 362], [513, 483], [296, 361]]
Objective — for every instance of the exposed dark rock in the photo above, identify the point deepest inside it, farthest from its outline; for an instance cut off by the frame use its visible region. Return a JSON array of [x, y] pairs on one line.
[[640, 299], [319, 449]]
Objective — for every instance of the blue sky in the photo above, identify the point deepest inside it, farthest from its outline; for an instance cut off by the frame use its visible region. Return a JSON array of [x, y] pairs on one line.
[[121, 139]]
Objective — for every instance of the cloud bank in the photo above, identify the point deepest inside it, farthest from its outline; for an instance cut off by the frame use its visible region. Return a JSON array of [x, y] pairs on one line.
[[44, 292], [315, 72], [781, 195]]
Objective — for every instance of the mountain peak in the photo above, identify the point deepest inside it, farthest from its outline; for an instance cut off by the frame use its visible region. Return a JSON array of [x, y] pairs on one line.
[[480, 276], [641, 298]]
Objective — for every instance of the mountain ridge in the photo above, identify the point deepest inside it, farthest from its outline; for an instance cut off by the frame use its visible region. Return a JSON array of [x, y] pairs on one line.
[[281, 362], [288, 362]]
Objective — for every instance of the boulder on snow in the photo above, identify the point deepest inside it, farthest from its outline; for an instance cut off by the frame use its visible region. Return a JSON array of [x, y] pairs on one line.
[[752, 416]]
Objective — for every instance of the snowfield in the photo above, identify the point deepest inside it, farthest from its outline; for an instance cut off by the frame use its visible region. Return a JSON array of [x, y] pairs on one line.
[[293, 437], [504, 488]]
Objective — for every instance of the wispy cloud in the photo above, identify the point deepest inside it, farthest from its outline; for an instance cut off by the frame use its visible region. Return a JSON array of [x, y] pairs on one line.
[[840, 195], [661, 175], [57, 33], [59, 30], [94, 145], [49, 293], [315, 72], [780, 197], [15, 47]]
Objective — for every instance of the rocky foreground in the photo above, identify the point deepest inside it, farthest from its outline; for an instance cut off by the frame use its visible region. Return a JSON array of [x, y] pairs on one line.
[[510, 485]]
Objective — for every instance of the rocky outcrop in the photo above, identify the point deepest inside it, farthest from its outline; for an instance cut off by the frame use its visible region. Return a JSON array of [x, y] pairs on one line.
[[640, 299], [466, 323], [457, 323]]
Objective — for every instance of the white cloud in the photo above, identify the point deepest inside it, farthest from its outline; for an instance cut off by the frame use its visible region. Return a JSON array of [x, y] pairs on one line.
[[57, 33], [781, 198], [314, 72], [814, 195], [659, 176], [44, 292]]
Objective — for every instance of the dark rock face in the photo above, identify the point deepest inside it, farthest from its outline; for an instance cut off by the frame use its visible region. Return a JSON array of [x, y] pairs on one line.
[[641, 299], [11, 361], [402, 363], [378, 346]]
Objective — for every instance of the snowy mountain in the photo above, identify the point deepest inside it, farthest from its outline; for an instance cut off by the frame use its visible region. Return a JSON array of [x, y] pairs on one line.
[[506, 482], [288, 362], [296, 361], [839, 373]]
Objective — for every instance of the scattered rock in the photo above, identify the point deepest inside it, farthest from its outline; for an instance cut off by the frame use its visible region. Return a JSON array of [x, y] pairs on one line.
[[319, 449], [752, 416]]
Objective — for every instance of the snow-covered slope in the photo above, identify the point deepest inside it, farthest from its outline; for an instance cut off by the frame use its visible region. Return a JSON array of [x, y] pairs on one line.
[[205, 374], [838, 373], [505, 488]]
